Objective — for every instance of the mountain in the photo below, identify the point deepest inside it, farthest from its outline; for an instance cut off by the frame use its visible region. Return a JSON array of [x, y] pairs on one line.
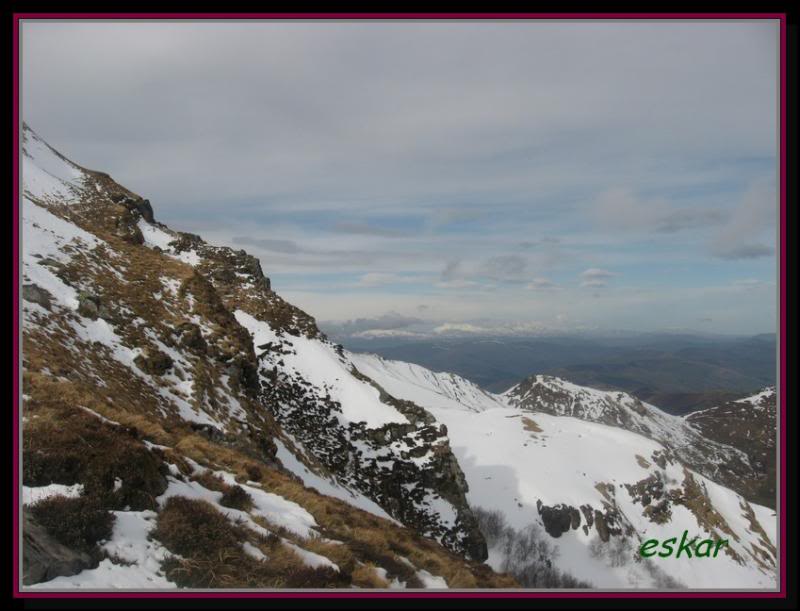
[[183, 425], [749, 425], [588, 476], [723, 463], [680, 373]]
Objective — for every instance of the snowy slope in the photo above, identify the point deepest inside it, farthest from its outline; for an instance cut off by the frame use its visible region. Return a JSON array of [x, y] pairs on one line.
[[46, 173], [423, 386], [719, 461], [517, 460]]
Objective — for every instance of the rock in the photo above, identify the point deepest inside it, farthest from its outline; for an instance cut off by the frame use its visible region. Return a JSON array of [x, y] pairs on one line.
[[602, 527], [38, 295], [44, 558], [153, 362], [88, 305], [145, 209], [558, 519], [208, 431], [191, 337], [127, 228]]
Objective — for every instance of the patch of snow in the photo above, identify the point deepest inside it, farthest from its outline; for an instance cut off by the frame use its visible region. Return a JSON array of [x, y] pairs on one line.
[[310, 558], [431, 581], [31, 495], [323, 486], [252, 551], [130, 543], [318, 363]]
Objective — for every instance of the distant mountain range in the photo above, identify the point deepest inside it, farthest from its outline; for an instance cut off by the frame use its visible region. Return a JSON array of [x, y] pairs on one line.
[[679, 372]]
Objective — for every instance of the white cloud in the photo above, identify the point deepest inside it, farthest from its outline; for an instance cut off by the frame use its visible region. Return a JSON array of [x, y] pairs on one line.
[[747, 234], [595, 277]]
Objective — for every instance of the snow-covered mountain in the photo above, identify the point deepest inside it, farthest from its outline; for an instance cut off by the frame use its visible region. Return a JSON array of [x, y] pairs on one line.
[[184, 426], [717, 460], [598, 489], [197, 381]]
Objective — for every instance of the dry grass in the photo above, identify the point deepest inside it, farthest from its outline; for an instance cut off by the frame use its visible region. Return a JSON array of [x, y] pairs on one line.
[[67, 446], [365, 537], [365, 576], [79, 523], [530, 425]]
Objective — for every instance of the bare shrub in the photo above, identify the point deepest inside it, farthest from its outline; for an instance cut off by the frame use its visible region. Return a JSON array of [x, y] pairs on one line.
[[526, 554]]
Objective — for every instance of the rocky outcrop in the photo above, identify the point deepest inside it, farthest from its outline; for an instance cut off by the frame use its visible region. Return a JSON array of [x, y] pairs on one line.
[[38, 295], [749, 425], [153, 362], [44, 558]]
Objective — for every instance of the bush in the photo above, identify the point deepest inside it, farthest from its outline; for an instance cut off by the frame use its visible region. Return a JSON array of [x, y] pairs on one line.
[[526, 554], [196, 529], [79, 448], [79, 523], [236, 497]]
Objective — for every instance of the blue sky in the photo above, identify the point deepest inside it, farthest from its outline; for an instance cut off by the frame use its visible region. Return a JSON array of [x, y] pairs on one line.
[[562, 175]]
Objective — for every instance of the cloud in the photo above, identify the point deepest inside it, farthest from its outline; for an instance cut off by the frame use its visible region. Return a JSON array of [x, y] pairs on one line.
[[452, 270], [621, 208], [335, 151], [375, 279], [390, 321], [537, 284], [282, 246], [368, 230], [505, 268], [595, 277], [743, 236]]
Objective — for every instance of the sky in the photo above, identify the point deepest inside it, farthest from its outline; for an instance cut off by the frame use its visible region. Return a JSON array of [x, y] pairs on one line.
[[453, 176]]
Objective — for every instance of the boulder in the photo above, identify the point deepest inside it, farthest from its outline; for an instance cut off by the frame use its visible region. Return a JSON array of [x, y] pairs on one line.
[[38, 295], [153, 362], [191, 337], [88, 305], [44, 558]]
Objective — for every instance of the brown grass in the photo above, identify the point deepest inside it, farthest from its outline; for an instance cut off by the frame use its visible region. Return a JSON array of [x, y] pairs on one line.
[[365, 576], [530, 425], [79, 523]]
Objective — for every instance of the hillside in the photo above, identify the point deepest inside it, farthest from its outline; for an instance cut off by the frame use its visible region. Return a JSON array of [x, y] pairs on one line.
[[185, 426], [594, 483], [749, 425]]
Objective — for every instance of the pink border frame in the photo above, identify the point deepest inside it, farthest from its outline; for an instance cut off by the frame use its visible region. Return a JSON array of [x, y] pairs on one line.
[[781, 17]]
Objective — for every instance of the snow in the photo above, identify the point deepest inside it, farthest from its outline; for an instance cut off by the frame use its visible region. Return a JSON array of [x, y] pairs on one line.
[[394, 584], [252, 551], [196, 491], [310, 558], [756, 399], [431, 581], [31, 495], [323, 486], [318, 363], [509, 469], [45, 174], [189, 256], [99, 416], [129, 543], [422, 386], [44, 235], [276, 509], [155, 236]]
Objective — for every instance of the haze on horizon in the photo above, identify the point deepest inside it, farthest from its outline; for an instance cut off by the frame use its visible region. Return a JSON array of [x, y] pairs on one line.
[[405, 175]]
